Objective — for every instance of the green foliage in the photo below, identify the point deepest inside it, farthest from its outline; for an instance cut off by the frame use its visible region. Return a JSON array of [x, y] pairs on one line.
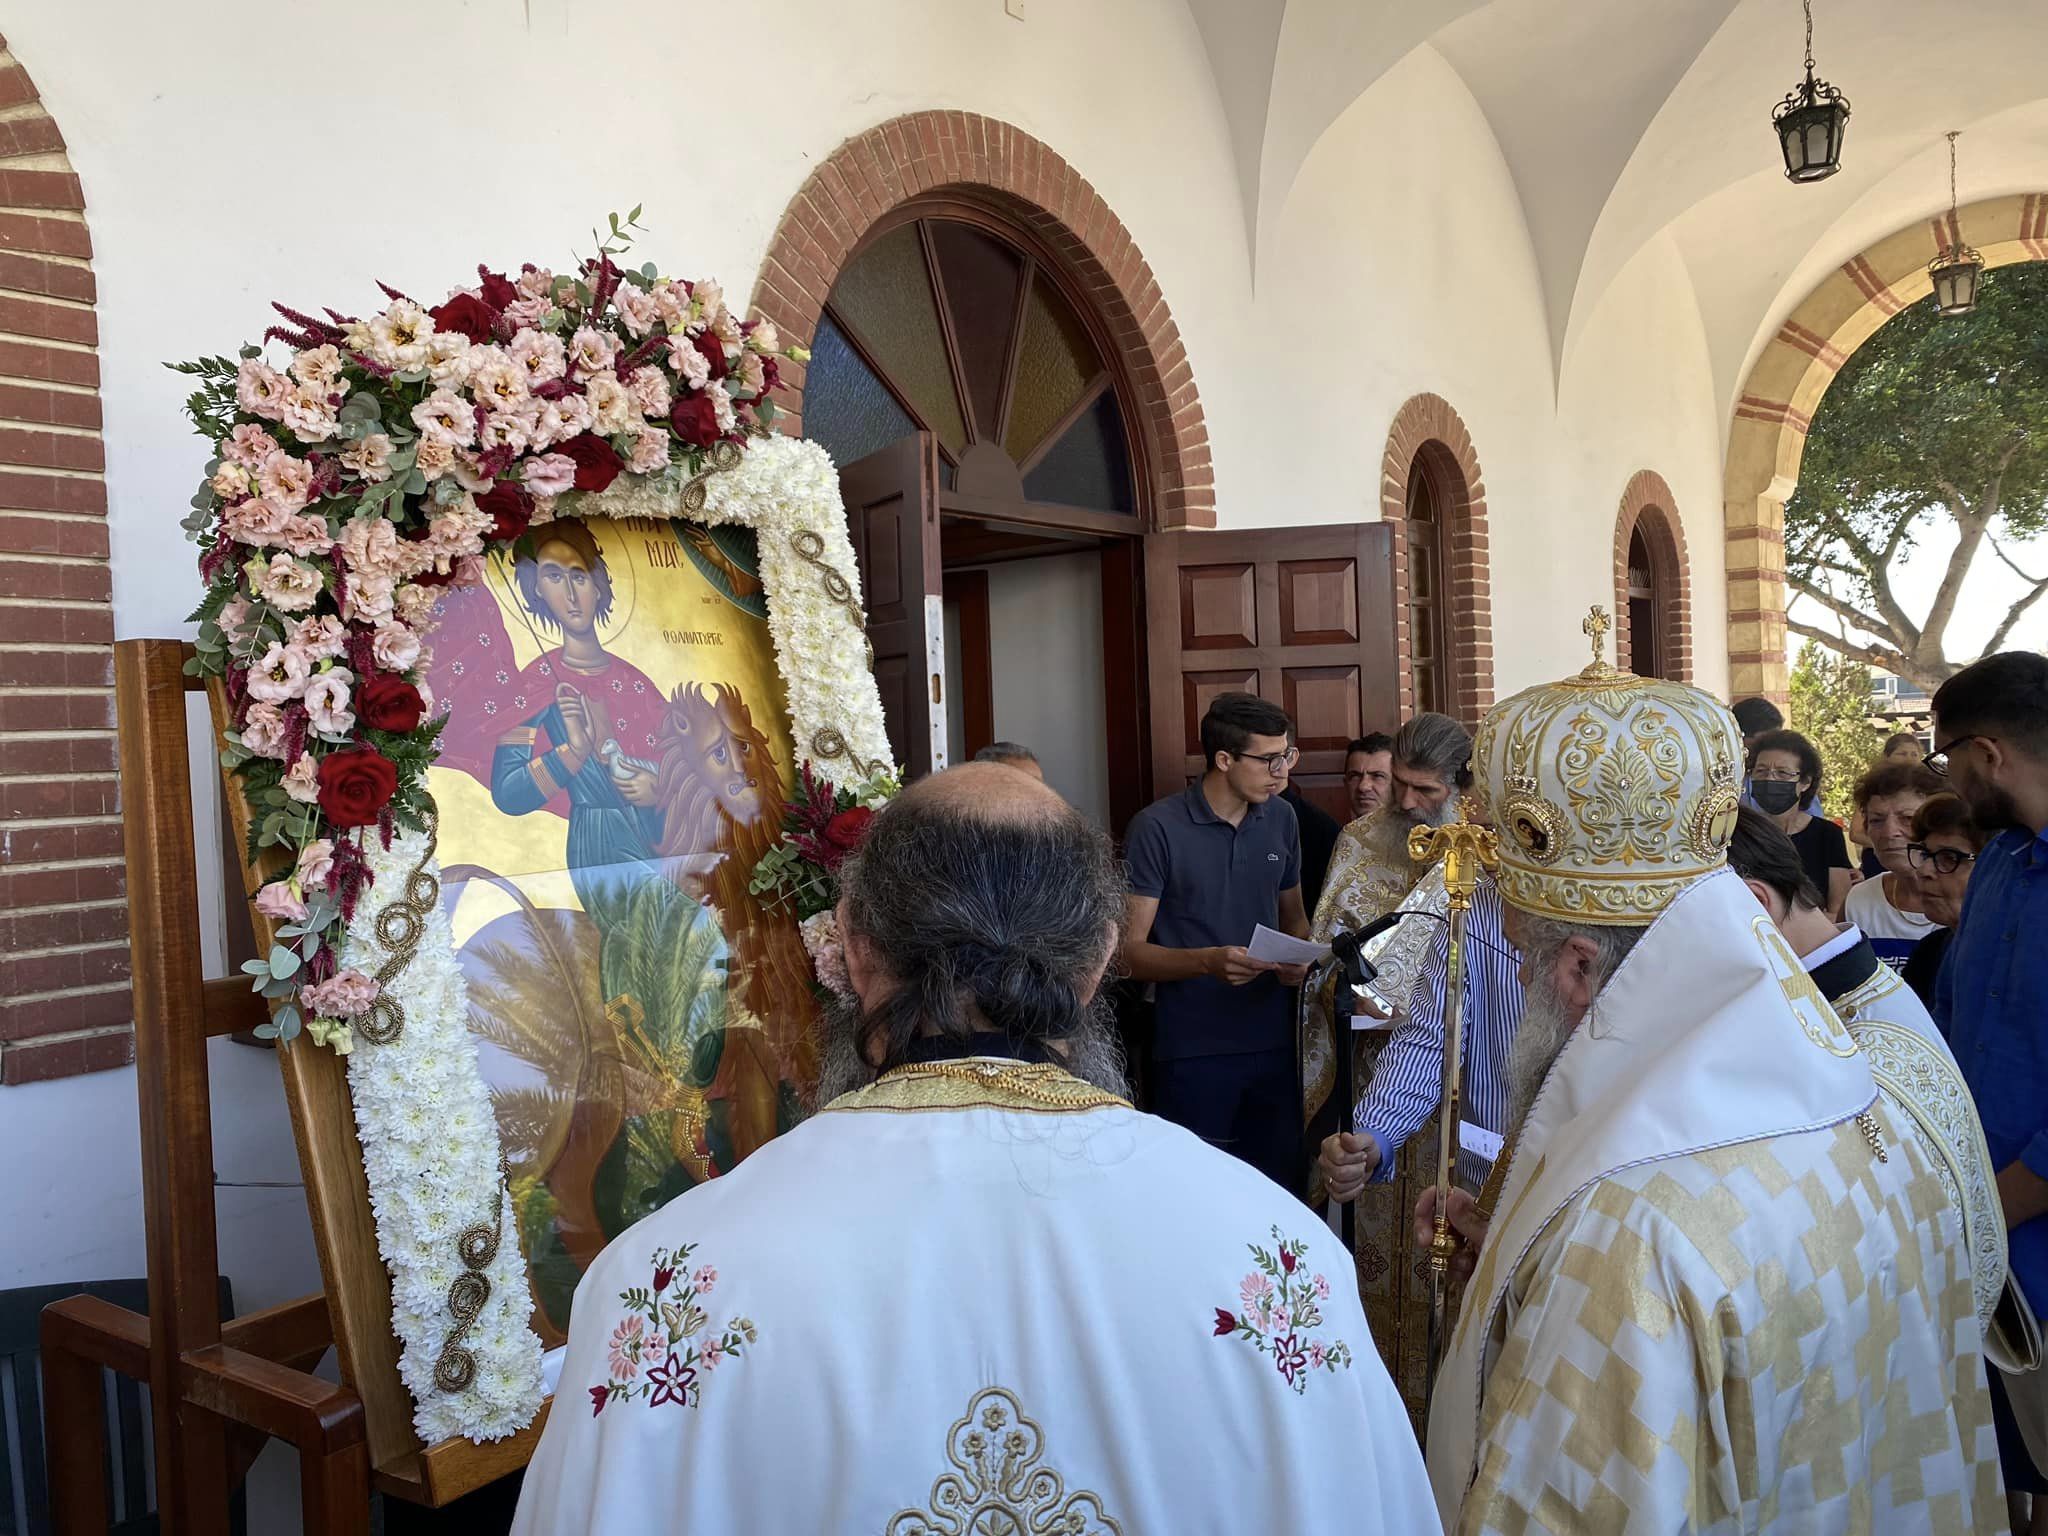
[[1933, 418], [211, 407], [1831, 708]]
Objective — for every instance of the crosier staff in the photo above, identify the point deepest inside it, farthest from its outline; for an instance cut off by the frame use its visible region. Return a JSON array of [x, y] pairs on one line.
[[1465, 848]]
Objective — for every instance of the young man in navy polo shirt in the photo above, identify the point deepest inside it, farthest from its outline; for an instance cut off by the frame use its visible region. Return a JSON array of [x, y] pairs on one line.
[[1207, 866]]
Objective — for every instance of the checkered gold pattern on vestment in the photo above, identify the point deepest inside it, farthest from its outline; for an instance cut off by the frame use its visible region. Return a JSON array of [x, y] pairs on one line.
[[1779, 1335]]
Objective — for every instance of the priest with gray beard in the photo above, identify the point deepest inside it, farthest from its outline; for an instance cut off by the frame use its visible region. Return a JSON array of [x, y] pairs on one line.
[[1720, 1287], [976, 1290]]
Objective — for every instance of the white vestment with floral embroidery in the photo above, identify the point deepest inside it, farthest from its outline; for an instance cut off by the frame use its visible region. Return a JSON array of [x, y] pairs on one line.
[[1723, 1289], [922, 1317]]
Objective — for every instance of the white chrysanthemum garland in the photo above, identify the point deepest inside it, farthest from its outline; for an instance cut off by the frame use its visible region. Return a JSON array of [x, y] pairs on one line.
[[431, 1150], [423, 1115]]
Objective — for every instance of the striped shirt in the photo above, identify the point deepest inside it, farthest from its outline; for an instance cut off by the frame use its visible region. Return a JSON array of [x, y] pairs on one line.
[[1407, 1085]]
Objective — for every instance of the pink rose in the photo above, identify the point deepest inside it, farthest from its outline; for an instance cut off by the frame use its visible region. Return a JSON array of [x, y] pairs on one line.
[[316, 863], [395, 647], [263, 730], [543, 357], [280, 674], [301, 780], [344, 995], [650, 452], [650, 391], [550, 474], [288, 585], [278, 902], [248, 445], [636, 309], [593, 351], [319, 637], [261, 390], [327, 701]]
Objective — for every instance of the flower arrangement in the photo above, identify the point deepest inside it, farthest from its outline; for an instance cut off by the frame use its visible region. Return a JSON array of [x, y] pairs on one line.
[[820, 829], [380, 464]]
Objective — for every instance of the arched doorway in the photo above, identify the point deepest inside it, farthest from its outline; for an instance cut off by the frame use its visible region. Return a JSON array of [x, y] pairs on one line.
[[1652, 604], [1778, 397], [1433, 497]]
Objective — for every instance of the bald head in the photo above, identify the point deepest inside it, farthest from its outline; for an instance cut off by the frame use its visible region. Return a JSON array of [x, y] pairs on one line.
[[979, 902]]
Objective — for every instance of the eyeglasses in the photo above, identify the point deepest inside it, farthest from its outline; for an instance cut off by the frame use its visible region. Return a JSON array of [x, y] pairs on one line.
[[1938, 758], [1775, 775], [1277, 763], [1945, 861]]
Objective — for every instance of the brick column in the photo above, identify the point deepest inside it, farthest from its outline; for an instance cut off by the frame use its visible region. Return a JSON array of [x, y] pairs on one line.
[[64, 1004]]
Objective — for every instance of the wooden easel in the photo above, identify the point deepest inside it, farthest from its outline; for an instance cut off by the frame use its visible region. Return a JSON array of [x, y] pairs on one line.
[[221, 1389]]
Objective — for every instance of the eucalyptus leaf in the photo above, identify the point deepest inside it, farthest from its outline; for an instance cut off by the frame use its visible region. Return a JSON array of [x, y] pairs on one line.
[[265, 1031], [415, 483], [283, 962]]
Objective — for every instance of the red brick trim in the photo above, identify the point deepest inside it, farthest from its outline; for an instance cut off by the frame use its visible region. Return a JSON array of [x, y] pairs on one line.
[[64, 1004], [1647, 503], [967, 156], [1427, 430]]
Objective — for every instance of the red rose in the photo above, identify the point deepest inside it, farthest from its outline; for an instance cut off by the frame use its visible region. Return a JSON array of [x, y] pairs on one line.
[[713, 351], [466, 313], [356, 784], [1225, 1323], [846, 829], [510, 508], [498, 289], [596, 465], [387, 702], [695, 420]]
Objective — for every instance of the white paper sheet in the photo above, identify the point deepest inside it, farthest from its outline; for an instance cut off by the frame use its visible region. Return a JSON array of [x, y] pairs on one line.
[[1285, 949], [1477, 1139]]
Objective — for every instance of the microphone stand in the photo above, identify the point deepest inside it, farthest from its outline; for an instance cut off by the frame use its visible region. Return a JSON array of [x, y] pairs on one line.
[[1465, 849]]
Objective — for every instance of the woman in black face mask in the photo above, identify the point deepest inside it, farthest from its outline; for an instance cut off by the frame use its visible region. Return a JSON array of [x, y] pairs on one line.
[[1784, 778]]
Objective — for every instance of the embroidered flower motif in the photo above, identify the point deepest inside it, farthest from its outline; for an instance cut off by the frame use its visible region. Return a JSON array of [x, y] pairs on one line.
[[665, 1346], [1281, 1306]]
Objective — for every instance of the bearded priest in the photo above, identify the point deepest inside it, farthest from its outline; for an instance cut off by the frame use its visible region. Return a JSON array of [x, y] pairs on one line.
[[1724, 1289], [978, 1291]]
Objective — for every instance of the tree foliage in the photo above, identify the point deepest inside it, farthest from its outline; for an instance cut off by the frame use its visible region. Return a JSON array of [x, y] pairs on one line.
[[1931, 419], [1831, 709]]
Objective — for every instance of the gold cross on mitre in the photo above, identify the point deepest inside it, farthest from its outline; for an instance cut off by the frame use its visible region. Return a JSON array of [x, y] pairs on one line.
[[1595, 628]]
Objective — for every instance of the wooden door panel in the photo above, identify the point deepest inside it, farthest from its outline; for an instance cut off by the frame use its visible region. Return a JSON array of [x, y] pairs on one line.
[[1302, 616], [892, 514], [1218, 607], [1318, 602]]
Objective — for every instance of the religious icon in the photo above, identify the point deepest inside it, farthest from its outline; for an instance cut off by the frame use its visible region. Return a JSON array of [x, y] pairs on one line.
[[615, 762]]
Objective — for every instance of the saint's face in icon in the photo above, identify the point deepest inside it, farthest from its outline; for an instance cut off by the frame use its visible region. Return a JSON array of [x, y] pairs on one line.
[[565, 588]]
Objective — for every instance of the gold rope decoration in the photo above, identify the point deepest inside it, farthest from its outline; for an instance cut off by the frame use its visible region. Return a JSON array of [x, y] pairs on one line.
[[398, 929], [455, 1367], [723, 456]]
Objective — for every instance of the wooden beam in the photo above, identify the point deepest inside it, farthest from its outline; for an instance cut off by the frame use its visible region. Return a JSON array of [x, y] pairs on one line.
[[230, 1008], [293, 1333]]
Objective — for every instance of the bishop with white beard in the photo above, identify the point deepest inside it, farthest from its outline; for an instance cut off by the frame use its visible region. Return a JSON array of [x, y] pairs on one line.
[[1721, 1287]]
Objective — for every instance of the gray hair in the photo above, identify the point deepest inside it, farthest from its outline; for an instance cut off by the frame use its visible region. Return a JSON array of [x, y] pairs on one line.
[[1546, 1026], [1436, 744], [1006, 752], [985, 922]]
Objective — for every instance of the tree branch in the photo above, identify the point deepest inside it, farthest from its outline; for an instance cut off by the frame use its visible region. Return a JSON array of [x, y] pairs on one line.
[[1870, 656], [2015, 613], [1840, 607], [1999, 550]]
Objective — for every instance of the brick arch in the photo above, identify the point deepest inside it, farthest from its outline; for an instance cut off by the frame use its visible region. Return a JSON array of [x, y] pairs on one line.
[[1647, 504], [1428, 431], [965, 155], [64, 1005], [1784, 386]]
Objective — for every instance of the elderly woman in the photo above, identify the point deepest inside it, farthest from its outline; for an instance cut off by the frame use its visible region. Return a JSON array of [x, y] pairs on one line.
[[1943, 851]]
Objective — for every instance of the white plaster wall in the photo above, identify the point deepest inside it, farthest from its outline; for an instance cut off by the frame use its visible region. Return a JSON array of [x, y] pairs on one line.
[[1045, 661]]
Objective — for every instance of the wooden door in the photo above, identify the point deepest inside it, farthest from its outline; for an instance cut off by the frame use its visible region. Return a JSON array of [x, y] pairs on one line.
[[1301, 616], [892, 513]]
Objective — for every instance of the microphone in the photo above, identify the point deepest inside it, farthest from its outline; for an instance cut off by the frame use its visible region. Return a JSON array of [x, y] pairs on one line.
[[1347, 948]]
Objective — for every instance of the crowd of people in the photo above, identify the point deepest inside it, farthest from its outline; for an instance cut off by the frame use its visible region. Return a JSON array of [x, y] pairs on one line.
[[1762, 1247]]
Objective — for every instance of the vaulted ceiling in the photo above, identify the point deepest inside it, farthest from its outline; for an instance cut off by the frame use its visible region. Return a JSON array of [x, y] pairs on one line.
[[1621, 121]]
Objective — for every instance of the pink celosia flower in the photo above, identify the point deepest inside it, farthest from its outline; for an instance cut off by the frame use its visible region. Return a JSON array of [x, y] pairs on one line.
[[327, 700], [280, 674], [280, 903]]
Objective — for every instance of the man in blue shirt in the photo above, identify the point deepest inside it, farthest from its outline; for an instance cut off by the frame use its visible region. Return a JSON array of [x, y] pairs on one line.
[[1991, 740], [1208, 866]]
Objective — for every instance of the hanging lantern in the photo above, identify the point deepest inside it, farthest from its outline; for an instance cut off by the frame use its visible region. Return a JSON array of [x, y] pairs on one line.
[[1956, 267], [1810, 122]]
